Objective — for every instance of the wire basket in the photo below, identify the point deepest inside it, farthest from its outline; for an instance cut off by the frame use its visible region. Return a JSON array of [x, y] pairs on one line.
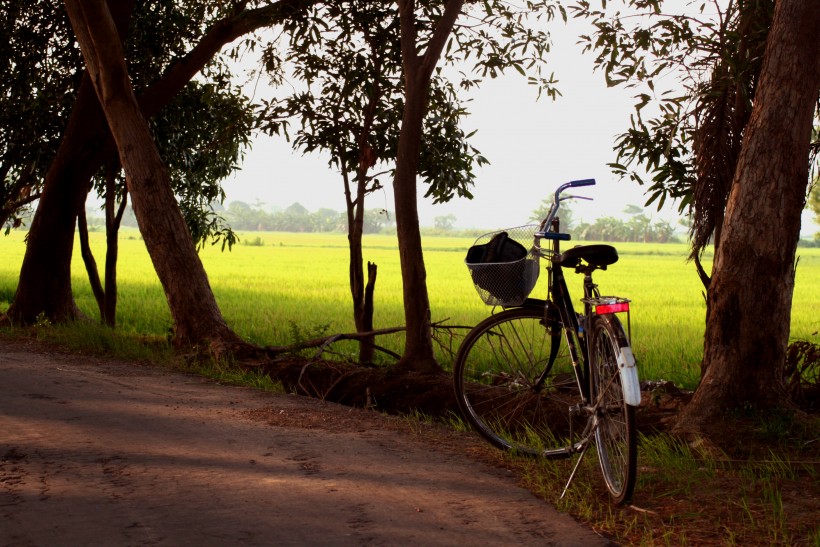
[[504, 265]]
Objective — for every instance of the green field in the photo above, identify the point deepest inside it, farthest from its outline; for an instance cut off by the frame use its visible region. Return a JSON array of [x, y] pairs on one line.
[[287, 286]]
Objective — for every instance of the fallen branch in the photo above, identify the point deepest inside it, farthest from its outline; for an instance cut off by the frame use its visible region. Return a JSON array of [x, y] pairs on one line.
[[326, 340]]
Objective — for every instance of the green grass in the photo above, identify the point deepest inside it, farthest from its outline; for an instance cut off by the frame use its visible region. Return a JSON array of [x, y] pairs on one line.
[[282, 279], [683, 497]]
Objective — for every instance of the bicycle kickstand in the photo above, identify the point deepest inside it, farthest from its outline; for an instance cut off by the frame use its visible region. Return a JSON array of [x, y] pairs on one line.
[[575, 468]]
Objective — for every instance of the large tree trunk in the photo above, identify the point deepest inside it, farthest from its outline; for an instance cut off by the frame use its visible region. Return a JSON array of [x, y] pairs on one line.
[[196, 315], [45, 277], [750, 294], [418, 69]]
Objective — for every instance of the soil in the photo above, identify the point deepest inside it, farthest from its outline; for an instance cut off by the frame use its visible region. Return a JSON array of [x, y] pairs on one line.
[[102, 452]]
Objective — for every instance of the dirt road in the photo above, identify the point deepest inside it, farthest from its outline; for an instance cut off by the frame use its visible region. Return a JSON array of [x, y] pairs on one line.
[[96, 452]]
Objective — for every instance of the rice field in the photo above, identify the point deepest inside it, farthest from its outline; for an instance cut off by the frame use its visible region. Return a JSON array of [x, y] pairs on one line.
[[275, 288]]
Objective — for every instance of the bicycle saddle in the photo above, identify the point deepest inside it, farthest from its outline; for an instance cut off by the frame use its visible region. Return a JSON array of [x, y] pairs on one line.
[[597, 256]]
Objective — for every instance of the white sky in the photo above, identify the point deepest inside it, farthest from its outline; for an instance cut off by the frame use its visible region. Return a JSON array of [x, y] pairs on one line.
[[532, 148]]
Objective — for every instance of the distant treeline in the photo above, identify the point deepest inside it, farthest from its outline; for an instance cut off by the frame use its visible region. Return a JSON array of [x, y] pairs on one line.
[[243, 217]]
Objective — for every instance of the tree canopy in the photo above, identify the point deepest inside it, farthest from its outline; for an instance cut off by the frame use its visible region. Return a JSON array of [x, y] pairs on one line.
[[685, 136], [40, 70]]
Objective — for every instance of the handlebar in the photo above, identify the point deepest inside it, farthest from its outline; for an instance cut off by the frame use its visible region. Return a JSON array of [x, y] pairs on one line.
[[547, 222]]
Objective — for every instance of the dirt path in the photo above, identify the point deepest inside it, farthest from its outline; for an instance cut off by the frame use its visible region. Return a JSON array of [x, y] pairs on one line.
[[95, 452]]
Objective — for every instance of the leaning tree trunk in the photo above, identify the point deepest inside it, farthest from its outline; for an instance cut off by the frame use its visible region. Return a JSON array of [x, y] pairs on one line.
[[45, 275], [196, 315], [750, 295]]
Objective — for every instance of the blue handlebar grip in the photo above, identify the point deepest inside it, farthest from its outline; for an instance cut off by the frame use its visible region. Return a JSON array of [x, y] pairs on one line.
[[584, 182]]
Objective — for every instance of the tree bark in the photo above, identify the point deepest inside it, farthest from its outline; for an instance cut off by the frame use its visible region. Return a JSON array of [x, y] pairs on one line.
[[751, 290], [196, 315], [418, 70]]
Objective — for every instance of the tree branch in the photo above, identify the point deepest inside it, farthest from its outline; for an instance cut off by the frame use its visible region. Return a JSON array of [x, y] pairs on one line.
[[316, 342], [221, 33]]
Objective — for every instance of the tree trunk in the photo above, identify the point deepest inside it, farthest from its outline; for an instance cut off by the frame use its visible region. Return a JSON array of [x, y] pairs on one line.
[[750, 294], [91, 264], [355, 227], [367, 346], [113, 221], [196, 315], [418, 351], [106, 297], [418, 69]]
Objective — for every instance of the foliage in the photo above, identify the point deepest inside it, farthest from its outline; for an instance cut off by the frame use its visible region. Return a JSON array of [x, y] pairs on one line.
[[39, 73], [802, 373], [813, 201], [444, 222], [565, 214], [348, 58], [639, 228], [201, 135], [242, 216], [687, 141]]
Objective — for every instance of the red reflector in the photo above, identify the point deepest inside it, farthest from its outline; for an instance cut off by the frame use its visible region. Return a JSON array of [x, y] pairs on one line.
[[612, 308]]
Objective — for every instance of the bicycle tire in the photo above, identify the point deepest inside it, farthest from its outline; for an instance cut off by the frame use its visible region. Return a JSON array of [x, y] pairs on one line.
[[615, 433], [495, 376]]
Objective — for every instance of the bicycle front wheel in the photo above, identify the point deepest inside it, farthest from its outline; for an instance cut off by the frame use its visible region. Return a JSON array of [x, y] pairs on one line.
[[516, 386], [615, 433]]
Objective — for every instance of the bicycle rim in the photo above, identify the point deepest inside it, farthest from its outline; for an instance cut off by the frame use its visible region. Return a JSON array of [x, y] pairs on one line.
[[496, 382], [615, 434]]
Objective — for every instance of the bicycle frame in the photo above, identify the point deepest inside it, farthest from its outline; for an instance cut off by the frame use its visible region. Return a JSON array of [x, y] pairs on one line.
[[559, 296]]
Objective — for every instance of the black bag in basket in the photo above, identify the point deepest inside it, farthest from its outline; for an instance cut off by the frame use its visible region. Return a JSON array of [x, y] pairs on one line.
[[504, 280]]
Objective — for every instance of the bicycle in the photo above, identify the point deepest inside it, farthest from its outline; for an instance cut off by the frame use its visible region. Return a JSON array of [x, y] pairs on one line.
[[538, 378]]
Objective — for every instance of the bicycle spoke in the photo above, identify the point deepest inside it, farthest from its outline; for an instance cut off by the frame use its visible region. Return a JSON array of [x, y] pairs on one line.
[[497, 371], [615, 428]]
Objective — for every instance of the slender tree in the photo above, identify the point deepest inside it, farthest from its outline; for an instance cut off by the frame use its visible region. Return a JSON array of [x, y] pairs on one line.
[[418, 65], [352, 109], [499, 37]]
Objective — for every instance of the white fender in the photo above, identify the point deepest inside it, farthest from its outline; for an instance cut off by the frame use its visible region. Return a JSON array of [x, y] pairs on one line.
[[629, 376]]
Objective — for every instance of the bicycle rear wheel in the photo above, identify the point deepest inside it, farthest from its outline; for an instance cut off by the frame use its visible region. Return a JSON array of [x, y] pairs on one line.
[[515, 383], [615, 433]]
